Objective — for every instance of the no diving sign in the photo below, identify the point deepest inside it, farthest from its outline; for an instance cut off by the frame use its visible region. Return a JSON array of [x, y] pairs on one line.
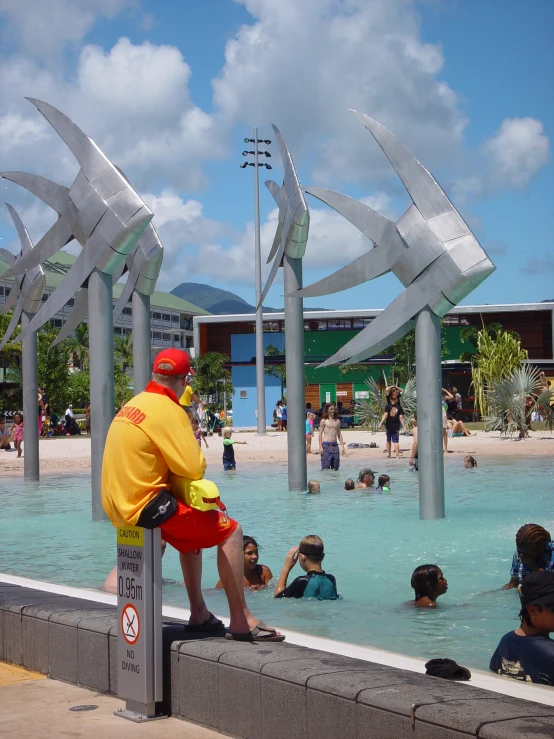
[[130, 624]]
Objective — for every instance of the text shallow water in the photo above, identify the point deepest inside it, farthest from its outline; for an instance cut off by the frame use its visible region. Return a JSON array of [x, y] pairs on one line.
[[373, 541]]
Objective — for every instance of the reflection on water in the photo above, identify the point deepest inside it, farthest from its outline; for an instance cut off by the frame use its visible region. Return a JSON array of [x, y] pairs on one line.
[[373, 541]]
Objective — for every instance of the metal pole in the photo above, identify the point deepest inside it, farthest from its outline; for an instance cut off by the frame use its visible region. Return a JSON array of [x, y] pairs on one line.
[[294, 358], [260, 349], [30, 402], [102, 402], [142, 361], [429, 415]]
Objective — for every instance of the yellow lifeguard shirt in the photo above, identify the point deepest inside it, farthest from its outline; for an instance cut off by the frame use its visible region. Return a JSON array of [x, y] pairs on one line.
[[186, 397], [150, 438]]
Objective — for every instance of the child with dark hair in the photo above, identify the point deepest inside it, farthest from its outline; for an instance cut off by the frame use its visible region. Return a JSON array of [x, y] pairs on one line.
[[428, 583], [315, 583], [528, 652], [534, 551], [256, 576], [349, 484], [470, 462], [383, 484]]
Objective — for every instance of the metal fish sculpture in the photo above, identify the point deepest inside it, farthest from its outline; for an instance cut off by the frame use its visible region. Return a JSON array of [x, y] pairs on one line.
[[430, 249], [28, 285], [294, 216], [100, 209]]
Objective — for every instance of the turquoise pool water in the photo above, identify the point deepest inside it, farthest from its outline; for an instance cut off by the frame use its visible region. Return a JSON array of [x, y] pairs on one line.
[[373, 541]]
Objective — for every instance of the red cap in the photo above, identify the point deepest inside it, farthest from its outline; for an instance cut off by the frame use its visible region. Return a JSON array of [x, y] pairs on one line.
[[178, 360]]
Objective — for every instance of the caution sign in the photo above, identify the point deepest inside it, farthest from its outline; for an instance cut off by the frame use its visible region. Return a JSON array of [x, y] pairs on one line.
[[130, 624]]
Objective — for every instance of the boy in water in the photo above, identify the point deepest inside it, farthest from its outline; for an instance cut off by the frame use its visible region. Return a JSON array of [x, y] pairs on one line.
[[528, 652], [314, 486], [428, 583], [534, 551], [315, 583], [228, 449], [349, 484]]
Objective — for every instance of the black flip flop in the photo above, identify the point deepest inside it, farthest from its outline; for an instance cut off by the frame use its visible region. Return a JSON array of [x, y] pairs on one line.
[[257, 635], [211, 624]]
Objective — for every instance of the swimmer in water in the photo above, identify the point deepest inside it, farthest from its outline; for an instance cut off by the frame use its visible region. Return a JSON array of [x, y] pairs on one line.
[[383, 483], [469, 462], [428, 583], [256, 576]]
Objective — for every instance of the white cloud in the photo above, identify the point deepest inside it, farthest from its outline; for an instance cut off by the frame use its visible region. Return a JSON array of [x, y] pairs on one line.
[[333, 243], [303, 65], [183, 229], [517, 151], [42, 28]]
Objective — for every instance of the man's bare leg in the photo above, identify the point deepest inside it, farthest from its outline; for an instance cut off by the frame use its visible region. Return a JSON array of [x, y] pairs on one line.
[[191, 564], [230, 564]]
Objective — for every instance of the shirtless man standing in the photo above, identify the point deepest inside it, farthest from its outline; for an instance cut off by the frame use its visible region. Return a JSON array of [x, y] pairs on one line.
[[329, 439]]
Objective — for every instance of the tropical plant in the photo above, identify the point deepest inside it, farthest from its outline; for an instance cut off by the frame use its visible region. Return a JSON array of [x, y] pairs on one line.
[[496, 358], [123, 350], [515, 398], [211, 375], [370, 410], [470, 335], [53, 367], [79, 345], [10, 364], [123, 391]]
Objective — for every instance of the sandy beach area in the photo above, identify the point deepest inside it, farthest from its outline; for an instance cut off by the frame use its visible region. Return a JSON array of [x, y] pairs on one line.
[[67, 455]]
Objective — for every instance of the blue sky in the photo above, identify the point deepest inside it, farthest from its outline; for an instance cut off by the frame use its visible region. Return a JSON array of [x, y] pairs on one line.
[[169, 89]]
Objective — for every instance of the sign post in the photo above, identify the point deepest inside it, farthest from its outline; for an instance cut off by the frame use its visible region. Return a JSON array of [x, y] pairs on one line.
[[139, 615]]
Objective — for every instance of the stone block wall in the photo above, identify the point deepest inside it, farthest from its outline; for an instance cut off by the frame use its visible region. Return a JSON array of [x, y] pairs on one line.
[[260, 691]]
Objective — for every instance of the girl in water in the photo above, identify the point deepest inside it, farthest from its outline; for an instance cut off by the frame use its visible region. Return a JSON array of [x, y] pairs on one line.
[[256, 576], [428, 583]]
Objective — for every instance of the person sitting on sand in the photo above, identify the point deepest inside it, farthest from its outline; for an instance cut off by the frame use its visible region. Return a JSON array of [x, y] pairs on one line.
[[4, 435], [469, 462], [428, 583], [256, 576], [349, 484], [534, 551], [528, 652], [314, 486], [458, 428], [315, 583], [383, 483], [366, 479]]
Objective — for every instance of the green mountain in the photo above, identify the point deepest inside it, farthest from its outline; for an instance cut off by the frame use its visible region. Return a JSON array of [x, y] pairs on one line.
[[217, 301]]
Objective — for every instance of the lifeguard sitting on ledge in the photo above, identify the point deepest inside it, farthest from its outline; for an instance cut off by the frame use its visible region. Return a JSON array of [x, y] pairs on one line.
[[150, 440]]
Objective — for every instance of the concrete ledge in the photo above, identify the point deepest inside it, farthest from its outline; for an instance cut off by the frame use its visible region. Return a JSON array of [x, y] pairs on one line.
[[275, 691]]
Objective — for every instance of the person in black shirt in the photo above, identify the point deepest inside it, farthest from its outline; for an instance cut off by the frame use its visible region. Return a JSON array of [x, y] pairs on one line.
[[315, 583], [392, 418], [528, 652]]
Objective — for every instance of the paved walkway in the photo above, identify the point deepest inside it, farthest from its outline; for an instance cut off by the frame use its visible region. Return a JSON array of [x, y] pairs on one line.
[[34, 706]]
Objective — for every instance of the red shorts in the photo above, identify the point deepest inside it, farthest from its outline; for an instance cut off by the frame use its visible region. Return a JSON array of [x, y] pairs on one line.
[[189, 529]]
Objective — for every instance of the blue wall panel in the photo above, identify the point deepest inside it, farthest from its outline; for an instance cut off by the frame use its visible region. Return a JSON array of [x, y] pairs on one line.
[[243, 349]]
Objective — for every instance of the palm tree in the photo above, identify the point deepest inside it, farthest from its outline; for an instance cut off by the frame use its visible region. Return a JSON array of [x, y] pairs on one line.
[[514, 399], [496, 358], [79, 345], [123, 349]]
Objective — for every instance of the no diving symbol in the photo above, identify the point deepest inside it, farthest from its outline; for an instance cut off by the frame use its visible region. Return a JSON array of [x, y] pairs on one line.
[[130, 624]]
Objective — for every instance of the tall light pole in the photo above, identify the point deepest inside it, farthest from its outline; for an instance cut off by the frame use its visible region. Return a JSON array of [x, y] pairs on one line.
[[260, 349]]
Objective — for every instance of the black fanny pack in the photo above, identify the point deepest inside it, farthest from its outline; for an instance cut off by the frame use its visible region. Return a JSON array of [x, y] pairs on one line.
[[157, 511]]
